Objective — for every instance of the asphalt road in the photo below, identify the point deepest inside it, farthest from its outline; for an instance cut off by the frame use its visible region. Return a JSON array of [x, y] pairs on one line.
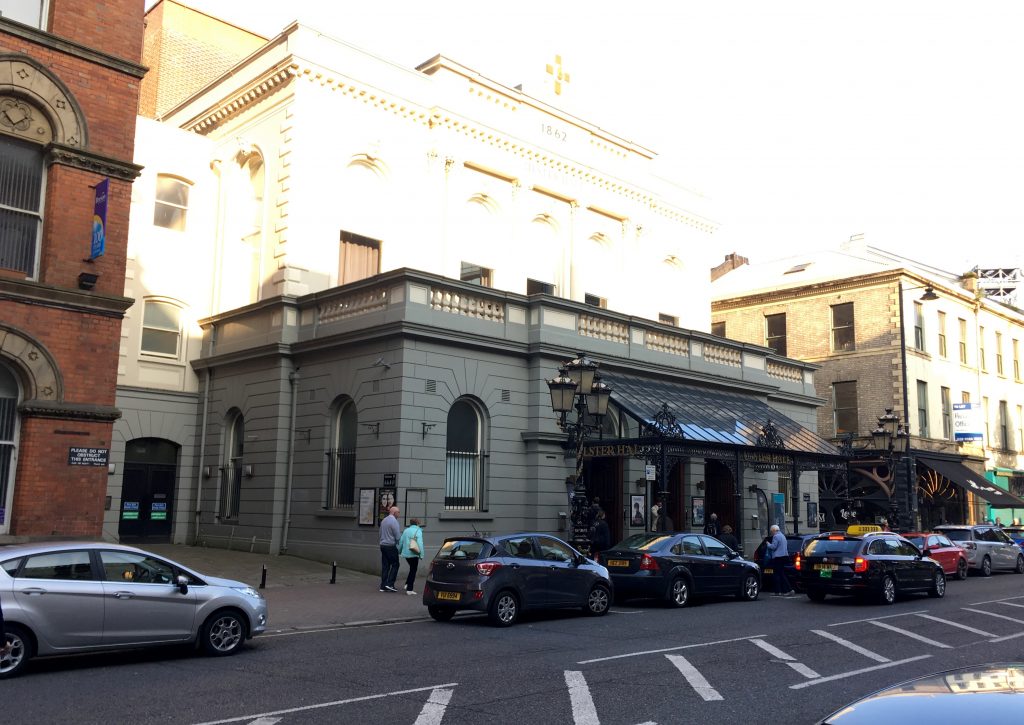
[[774, 660]]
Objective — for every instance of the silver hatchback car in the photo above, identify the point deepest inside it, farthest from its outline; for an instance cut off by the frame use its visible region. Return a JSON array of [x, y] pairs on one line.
[[987, 547], [86, 597]]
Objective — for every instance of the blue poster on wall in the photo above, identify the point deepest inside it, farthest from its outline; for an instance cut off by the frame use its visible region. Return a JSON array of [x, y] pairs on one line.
[[99, 220], [779, 510]]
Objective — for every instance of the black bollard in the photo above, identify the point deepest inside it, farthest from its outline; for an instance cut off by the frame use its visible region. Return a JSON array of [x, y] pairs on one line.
[[334, 572], [263, 578]]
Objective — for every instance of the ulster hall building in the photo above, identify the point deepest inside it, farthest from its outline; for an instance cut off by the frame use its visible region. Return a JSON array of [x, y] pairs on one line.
[[352, 281]]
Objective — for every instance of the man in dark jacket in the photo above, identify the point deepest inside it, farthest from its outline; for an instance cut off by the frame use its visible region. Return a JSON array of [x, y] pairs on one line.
[[711, 527], [602, 536]]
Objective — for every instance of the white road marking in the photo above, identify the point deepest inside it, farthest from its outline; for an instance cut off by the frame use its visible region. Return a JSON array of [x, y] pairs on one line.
[[788, 659], [337, 628], [700, 685], [872, 619], [1010, 604], [266, 721], [621, 611], [850, 645], [433, 710], [583, 710], [668, 649], [853, 673], [993, 614], [321, 705], [1009, 636], [982, 632], [912, 635], [993, 601]]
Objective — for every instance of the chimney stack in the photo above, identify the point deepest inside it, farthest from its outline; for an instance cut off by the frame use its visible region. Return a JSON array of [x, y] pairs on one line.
[[732, 261]]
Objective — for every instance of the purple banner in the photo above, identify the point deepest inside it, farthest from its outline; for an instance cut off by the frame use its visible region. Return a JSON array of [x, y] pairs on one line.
[[99, 220]]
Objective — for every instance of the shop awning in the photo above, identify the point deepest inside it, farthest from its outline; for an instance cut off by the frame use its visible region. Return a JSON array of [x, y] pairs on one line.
[[709, 415], [964, 477]]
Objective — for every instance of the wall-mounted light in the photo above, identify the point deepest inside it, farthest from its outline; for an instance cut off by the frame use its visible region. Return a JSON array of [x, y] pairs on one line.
[[87, 280], [427, 427], [375, 427]]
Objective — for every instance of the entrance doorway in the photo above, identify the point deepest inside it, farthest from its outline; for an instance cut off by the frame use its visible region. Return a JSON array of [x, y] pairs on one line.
[[603, 477], [719, 494], [147, 490]]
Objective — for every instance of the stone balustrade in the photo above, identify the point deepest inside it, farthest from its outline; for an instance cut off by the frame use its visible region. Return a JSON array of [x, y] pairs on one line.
[[459, 302], [668, 343], [722, 355], [359, 302], [602, 328]]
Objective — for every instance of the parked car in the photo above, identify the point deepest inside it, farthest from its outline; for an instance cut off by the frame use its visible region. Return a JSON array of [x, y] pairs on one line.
[[1016, 533], [676, 567], [993, 691], [81, 597], [881, 565], [986, 546], [795, 546], [504, 575], [939, 547]]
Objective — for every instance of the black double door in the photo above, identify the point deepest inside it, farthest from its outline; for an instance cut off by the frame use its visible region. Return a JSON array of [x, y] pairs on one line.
[[147, 491]]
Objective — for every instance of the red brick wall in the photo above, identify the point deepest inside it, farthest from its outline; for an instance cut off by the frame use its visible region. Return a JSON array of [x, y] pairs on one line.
[[113, 26]]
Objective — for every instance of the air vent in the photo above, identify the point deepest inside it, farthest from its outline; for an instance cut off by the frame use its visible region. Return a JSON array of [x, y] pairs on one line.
[[431, 386], [506, 396]]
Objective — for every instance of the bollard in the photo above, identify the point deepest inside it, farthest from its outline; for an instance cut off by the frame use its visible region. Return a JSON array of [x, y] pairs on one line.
[[334, 572], [263, 578]]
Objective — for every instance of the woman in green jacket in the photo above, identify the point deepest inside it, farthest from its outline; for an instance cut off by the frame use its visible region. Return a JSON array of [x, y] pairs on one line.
[[410, 546]]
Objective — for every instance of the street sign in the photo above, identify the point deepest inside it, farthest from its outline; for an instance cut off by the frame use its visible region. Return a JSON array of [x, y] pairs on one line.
[[650, 472]]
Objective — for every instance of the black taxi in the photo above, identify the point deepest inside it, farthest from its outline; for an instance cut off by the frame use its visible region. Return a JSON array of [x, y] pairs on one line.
[[869, 564]]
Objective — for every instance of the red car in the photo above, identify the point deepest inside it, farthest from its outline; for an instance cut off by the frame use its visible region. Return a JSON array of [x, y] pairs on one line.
[[944, 551]]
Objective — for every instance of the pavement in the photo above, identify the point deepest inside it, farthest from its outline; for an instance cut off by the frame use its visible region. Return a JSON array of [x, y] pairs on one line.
[[298, 591]]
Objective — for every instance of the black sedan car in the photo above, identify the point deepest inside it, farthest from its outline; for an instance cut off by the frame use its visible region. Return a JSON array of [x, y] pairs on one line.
[[504, 575], [676, 567], [879, 565]]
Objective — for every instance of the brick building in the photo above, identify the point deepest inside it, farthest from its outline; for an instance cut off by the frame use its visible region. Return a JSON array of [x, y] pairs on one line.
[[69, 85], [892, 334]]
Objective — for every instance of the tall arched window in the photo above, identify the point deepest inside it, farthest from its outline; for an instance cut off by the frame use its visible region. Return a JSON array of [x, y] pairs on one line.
[[233, 467], [9, 394], [341, 457], [464, 484], [21, 197]]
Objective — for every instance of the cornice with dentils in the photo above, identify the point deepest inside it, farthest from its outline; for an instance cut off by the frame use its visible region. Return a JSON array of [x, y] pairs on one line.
[[276, 79]]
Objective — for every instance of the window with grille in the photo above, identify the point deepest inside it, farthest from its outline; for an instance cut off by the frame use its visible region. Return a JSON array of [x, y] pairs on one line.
[[21, 208], [161, 329], [464, 482], [171, 208], [844, 405], [842, 328], [231, 471], [341, 457], [775, 332], [359, 258]]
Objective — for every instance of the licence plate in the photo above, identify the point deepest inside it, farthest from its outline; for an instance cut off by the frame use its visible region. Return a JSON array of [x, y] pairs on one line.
[[825, 573], [451, 596], [618, 562], [826, 567], [769, 571]]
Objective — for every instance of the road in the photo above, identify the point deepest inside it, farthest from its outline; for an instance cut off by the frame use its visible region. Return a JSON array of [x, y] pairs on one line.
[[773, 660]]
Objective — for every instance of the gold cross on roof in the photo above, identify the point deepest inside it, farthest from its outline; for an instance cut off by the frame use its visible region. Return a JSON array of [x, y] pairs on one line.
[[560, 76]]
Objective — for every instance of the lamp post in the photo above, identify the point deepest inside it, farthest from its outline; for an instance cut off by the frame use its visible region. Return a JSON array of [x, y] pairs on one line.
[[578, 387], [892, 439]]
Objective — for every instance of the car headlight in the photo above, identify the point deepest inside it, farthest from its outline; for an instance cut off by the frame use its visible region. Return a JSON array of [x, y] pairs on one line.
[[249, 592]]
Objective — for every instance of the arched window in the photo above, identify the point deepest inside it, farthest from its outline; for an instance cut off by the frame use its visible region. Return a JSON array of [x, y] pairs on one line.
[[464, 484], [233, 467], [171, 208], [341, 456], [9, 394]]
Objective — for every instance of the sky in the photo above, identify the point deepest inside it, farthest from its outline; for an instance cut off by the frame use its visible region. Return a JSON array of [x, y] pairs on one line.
[[802, 123]]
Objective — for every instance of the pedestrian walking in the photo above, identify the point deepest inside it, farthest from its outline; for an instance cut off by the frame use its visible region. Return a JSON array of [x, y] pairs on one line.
[[602, 536], [411, 548], [728, 538], [711, 527], [390, 533], [777, 556]]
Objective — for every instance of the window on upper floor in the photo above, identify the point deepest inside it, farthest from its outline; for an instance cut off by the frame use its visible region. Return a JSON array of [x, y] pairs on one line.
[[536, 287], [842, 328], [669, 319], [171, 208], [161, 329], [596, 300], [21, 197], [947, 413], [475, 274], [963, 340], [358, 258], [922, 408], [718, 329], [29, 12], [844, 406], [981, 350], [775, 332], [1016, 360], [943, 352], [1004, 425], [919, 326], [999, 353]]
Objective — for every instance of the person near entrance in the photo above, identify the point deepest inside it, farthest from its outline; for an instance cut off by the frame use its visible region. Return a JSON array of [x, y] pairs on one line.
[[711, 527], [601, 535], [390, 533], [777, 554], [728, 538]]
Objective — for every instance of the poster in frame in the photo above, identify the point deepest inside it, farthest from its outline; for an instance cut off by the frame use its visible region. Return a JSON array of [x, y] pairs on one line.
[[698, 511], [367, 506], [637, 511]]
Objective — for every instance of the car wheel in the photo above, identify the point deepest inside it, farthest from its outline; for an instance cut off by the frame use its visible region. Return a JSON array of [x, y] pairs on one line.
[[938, 589], [750, 589], [1019, 569], [504, 609], [441, 614], [961, 569], [816, 596], [598, 601], [888, 591], [223, 633], [679, 592], [986, 567], [14, 662]]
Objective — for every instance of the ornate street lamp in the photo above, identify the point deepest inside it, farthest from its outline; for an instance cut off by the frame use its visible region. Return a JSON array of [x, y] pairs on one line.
[[578, 387]]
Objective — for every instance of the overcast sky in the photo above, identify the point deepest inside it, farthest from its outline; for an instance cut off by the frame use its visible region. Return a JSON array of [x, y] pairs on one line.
[[802, 122]]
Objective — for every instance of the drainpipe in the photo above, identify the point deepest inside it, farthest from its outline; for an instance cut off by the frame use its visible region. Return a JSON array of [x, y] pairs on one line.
[[293, 381], [202, 457], [911, 488]]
